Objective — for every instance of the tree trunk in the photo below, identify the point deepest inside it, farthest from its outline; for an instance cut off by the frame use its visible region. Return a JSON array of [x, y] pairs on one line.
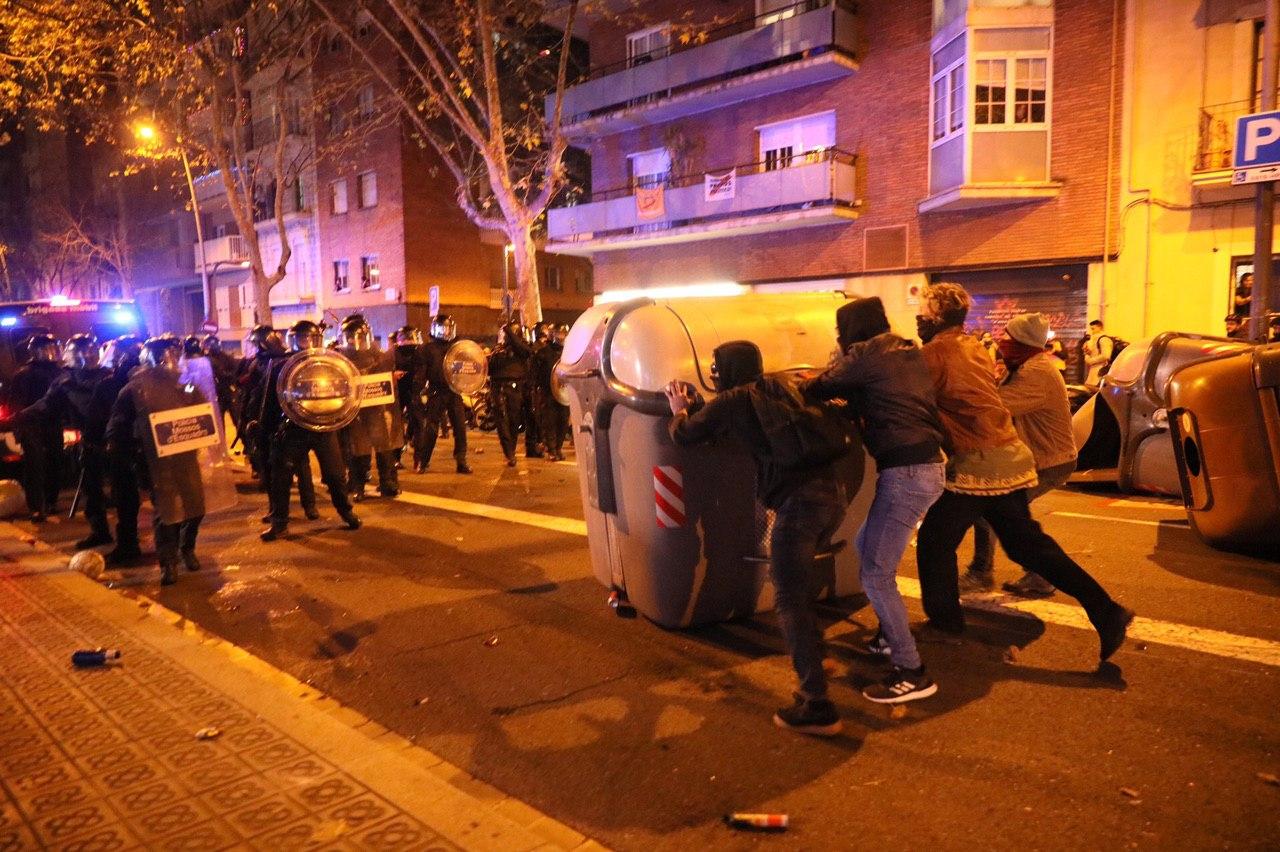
[[524, 254]]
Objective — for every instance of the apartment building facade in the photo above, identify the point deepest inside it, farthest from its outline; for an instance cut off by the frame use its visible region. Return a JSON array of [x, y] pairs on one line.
[[813, 145]]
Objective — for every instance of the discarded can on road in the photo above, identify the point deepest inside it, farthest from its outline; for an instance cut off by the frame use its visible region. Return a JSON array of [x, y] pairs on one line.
[[759, 822], [88, 659]]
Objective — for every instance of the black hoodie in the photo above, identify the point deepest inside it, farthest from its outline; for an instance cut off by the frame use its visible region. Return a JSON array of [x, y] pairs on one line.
[[887, 385]]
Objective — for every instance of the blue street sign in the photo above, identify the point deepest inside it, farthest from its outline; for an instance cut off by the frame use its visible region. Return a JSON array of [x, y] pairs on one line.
[[1257, 141]]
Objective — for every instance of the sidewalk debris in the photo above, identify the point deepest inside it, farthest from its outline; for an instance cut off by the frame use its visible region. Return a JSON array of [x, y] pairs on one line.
[[757, 822], [491, 641], [89, 563], [209, 733], [1268, 778], [84, 659]]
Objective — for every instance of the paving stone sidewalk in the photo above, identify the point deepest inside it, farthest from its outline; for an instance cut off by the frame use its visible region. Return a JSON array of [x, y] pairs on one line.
[[108, 758]]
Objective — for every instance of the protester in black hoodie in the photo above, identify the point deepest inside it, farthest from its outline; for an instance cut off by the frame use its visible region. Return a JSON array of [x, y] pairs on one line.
[[810, 505], [884, 379]]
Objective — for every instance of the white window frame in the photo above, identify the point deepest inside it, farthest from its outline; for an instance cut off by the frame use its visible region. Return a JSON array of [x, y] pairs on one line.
[[765, 18], [800, 154], [366, 181], [338, 190], [634, 58], [370, 273], [555, 283], [366, 104], [631, 171], [1010, 59], [947, 77], [345, 286]]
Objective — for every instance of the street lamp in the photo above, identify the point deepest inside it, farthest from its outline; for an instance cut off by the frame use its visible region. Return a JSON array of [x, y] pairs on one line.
[[148, 133]]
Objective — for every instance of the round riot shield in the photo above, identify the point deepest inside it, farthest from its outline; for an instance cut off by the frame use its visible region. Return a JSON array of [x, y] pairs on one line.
[[319, 389], [558, 390], [465, 367]]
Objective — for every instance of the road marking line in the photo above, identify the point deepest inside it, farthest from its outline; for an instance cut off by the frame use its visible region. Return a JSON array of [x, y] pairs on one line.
[[1202, 639], [1175, 524], [498, 513], [1131, 503]]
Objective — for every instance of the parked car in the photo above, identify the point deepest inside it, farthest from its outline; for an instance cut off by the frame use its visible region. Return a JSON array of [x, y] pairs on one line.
[[1122, 431]]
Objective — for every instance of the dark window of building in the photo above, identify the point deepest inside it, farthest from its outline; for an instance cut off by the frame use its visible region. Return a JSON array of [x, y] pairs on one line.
[[340, 281], [370, 277]]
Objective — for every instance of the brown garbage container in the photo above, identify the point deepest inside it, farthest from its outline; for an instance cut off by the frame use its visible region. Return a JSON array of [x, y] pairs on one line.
[[1225, 422]]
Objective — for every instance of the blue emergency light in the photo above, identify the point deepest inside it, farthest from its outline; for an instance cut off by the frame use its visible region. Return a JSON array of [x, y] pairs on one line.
[[9, 322]]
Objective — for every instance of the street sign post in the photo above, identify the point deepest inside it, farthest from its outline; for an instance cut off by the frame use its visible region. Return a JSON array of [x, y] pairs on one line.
[[1256, 157]]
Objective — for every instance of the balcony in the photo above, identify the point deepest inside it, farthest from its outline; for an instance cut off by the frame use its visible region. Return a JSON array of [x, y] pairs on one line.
[[749, 58], [816, 189], [223, 251], [1216, 142]]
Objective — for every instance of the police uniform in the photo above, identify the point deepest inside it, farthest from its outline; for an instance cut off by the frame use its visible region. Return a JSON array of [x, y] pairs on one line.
[[41, 438], [442, 402], [378, 430], [508, 370]]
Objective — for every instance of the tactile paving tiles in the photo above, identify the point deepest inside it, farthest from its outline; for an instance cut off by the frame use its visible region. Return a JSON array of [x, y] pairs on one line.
[[107, 759]]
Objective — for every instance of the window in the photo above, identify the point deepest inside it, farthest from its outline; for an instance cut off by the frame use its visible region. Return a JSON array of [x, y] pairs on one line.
[[367, 189], [552, 277], [364, 24], [337, 120], [299, 194], [370, 277], [772, 11], [364, 104], [648, 44], [1013, 90], [340, 270], [338, 196], [219, 231], [582, 282], [649, 168], [990, 91], [797, 141]]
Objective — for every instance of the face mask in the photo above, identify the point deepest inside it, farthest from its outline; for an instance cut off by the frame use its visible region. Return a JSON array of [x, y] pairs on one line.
[[927, 327]]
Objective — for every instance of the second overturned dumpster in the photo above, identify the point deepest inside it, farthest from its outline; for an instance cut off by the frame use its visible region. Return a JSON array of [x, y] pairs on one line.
[[679, 531]]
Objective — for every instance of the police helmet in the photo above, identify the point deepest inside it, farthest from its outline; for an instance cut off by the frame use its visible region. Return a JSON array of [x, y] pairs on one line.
[[162, 351], [42, 347], [559, 333], [443, 328], [407, 335], [191, 346], [122, 353], [305, 334], [356, 333], [81, 350], [210, 344], [264, 338]]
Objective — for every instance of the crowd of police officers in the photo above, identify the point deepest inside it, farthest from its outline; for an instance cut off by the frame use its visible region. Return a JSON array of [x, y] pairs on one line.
[[108, 392]]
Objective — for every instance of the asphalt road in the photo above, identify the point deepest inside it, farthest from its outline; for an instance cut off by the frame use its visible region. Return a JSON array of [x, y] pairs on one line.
[[488, 641]]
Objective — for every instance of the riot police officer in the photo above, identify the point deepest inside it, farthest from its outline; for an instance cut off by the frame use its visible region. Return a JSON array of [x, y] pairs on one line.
[[555, 417], [175, 481], [41, 438], [378, 430], [410, 381], [120, 357], [508, 371], [291, 442], [267, 346], [69, 404], [442, 400]]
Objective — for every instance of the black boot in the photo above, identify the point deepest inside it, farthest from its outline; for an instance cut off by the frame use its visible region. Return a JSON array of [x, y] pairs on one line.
[[351, 520], [312, 513], [167, 576], [95, 539], [463, 467], [189, 560], [275, 531], [124, 553]]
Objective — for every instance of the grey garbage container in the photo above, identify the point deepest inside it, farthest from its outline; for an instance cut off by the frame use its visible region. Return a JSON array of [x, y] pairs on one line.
[[679, 531]]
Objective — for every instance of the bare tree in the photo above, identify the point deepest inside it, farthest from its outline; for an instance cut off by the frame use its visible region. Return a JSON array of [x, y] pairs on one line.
[[471, 78], [79, 254]]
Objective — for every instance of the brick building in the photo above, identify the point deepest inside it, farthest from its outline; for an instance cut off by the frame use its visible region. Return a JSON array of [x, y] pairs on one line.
[[814, 145]]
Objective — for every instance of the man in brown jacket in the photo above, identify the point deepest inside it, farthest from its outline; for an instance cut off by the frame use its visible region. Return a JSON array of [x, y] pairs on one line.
[[1036, 396]]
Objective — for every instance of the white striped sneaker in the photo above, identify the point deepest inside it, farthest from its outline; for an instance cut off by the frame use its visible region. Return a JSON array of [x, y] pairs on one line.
[[901, 685]]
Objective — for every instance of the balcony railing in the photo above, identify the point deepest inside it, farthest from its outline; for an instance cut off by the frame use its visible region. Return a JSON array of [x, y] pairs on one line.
[[224, 251], [802, 31], [1218, 134], [763, 197]]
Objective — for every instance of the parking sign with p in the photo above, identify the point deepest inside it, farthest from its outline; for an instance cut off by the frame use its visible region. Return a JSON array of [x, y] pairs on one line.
[[1257, 150]]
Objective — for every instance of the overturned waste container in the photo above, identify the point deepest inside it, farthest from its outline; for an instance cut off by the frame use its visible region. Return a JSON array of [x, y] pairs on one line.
[[679, 530], [1225, 419]]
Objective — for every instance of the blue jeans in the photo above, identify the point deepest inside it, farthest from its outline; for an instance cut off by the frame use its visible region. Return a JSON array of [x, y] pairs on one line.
[[805, 522], [903, 495]]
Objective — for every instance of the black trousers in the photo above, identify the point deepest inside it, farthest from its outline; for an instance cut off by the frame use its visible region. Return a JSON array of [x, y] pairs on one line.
[[360, 466], [508, 413], [93, 466], [289, 456], [439, 407], [175, 539], [1019, 534], [532, 422], [555, 425], [123, 477], [41, 469]]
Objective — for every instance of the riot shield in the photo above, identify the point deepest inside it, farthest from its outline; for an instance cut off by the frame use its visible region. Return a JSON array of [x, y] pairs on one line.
[[319, 389]]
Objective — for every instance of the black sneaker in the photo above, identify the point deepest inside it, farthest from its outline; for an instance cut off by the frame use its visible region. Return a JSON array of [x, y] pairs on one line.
[[312, 513], [879, 646], [900, 686], [818, 718], [351, 520], [1111, 634], [972, 581], [273, 532], [190, 561], [464, 468]]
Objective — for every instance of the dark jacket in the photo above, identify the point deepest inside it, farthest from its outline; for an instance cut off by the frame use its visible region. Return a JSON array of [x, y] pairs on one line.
[[28, 386], [731, 414], [377, 428], [543, 364], [69, 402], [886, 382]]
